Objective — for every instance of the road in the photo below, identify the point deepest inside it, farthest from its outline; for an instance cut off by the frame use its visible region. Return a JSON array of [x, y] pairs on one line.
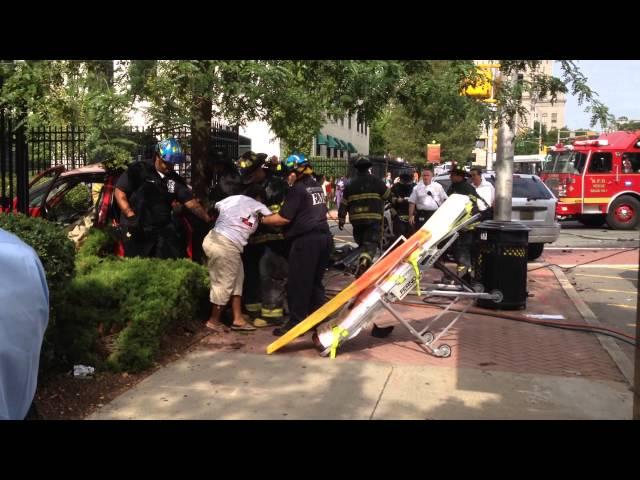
[[606, 275]]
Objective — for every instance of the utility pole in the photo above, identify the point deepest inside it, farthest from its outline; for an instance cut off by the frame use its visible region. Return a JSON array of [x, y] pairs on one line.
[[504, 165]]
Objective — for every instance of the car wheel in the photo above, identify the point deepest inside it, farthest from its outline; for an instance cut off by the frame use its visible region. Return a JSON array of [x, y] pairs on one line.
[[535, 250], [623, 213], [592, 220]]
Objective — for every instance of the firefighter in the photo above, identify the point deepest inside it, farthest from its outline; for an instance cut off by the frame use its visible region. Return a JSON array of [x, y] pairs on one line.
[[364, 198], [400, 193], [146, 194], [265, 258], [462, 246], [304, 218]]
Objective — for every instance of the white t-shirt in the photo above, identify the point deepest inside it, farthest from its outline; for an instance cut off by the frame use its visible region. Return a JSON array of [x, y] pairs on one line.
[[488, 194], [238, 218], [421, 198]]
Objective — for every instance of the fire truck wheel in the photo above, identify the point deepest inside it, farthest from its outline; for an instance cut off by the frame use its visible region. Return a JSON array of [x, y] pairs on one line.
[[623, 213], [534, 250], [592, 220]]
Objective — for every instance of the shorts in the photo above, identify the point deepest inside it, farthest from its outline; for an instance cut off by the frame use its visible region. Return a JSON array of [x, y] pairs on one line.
[[225, 267]]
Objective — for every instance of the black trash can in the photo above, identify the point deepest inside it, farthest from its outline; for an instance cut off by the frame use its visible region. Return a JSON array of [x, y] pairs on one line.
[[499, 256]]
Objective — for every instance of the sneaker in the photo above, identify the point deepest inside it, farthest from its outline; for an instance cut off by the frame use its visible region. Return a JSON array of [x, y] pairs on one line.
[[267, 322], [279, 331]]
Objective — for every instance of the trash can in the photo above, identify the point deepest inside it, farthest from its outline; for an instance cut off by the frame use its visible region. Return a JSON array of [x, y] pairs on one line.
[[499, 257]]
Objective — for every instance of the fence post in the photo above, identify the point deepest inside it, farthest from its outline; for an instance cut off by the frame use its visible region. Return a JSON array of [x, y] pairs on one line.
[[22, 167]]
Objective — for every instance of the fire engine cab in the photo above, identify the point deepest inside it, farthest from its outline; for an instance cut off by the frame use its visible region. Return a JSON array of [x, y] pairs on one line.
[[597, 180]]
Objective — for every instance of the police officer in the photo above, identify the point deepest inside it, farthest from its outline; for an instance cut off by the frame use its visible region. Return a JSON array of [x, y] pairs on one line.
[[400, 193], [265, 264], [146, 194], [304, 218], [462, 246], [364, 198]]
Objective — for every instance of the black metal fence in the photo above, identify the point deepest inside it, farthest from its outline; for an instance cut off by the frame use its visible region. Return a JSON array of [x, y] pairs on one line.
[[51, 146], [26, 153], [13, 164]]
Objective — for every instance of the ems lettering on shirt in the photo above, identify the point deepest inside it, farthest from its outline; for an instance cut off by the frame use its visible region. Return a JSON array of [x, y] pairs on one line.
[[317, 195]]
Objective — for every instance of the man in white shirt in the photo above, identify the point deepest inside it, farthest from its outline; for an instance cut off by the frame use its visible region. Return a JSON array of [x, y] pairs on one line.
[[425, 199], [238, 219], [486, 191]]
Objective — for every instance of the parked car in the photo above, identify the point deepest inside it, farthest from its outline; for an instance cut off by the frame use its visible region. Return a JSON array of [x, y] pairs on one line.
[[533, 204], [65, 196]]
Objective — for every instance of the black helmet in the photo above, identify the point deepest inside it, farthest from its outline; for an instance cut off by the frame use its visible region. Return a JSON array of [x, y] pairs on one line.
[[248, 163], [406, 178], [363, 162]]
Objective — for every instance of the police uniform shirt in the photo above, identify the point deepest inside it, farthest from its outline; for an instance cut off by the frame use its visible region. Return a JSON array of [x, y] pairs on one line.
[[169, 186], [423, 201], [305, 207]]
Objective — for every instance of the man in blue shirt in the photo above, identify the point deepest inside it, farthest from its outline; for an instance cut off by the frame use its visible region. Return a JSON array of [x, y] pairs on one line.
[[24, 315]]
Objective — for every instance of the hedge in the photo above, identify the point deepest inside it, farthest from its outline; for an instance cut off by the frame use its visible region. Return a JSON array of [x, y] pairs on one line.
[[139, 299]]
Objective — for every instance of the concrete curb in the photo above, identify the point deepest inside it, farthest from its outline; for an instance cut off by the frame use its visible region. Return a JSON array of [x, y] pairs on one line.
[[608, 343]]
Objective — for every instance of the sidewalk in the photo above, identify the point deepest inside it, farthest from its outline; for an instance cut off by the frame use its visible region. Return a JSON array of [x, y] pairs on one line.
[[499, 369]]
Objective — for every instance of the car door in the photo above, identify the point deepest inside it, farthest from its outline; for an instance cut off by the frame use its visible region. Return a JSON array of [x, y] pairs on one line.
[[599, 181]]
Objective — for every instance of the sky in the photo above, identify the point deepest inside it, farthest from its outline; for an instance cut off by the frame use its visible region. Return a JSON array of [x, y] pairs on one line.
[[617, 83]]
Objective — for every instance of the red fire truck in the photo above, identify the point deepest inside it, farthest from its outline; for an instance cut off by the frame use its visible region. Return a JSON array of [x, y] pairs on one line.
[[597, 180]]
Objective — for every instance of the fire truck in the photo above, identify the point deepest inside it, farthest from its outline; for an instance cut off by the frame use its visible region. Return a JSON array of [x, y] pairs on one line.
[[597, 180]]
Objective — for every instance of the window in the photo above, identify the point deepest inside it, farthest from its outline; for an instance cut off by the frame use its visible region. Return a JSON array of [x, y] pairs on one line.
[[554, 118], [317, 149], [328, 152], [365, 128], [349, 122], [630, 162], [341, 152], [335, 153], [601, 162], [342, 122], [529, 187]]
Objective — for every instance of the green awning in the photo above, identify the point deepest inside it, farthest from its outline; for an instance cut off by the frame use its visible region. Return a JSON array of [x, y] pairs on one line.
[[343, 144], [321, 139], [351, 148], [331, 142]]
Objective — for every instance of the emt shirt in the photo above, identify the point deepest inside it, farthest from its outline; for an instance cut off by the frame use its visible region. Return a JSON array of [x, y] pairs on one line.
[[423, 201]]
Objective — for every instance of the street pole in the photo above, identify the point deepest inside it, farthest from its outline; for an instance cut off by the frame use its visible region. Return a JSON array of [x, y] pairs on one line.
[[504, 166]]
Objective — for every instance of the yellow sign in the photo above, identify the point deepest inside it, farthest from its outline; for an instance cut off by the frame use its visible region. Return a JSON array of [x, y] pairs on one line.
[[483, 86]]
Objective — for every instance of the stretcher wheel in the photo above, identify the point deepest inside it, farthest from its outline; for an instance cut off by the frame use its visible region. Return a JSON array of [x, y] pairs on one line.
[[428, 337], [444, 351], [478, 287], [498, 295]]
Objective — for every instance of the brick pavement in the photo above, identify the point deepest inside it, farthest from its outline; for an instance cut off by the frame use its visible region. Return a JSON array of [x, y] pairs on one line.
[[478, 341]]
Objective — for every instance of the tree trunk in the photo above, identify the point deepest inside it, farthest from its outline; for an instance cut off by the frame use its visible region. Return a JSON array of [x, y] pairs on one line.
[[200, 146]]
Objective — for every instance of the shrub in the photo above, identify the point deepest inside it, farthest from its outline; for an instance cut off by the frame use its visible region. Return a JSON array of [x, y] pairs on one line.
[[137, 299]]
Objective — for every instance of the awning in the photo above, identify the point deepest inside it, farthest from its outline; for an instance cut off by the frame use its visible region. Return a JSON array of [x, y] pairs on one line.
[[331, 142], [343, 145], [351, 148], [321, 139]]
